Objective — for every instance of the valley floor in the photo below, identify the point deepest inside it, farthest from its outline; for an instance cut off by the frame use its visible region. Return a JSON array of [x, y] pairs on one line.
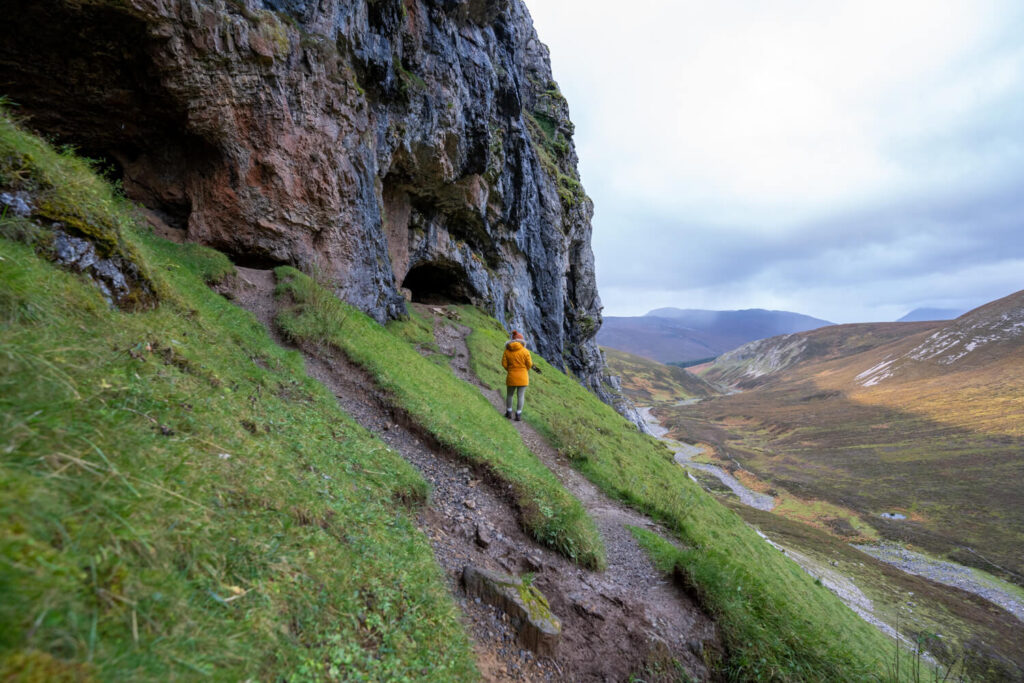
[[969, 618]]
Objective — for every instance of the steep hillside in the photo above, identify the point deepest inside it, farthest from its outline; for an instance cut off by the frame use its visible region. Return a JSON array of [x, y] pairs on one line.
[[990, 335], [647, 382], [671, 335], [181, 500], [389, 144], [761, 361]]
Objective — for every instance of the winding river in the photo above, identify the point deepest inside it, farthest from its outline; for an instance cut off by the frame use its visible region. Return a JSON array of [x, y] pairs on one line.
[[948, 573], [684, 454]]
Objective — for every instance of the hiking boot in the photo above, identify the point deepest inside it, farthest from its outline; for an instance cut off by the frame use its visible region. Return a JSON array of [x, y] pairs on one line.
[[519, 417], [508, 414]]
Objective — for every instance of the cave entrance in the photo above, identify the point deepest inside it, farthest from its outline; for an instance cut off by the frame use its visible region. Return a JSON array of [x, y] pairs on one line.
[[438, 284], [81, 74]]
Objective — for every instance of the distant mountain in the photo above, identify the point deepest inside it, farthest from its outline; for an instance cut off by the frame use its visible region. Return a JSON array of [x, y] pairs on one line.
[[760, 361], [923, 314], [680, 335]]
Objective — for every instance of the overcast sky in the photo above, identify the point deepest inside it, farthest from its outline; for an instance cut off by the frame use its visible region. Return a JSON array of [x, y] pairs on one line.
[[847, 160]]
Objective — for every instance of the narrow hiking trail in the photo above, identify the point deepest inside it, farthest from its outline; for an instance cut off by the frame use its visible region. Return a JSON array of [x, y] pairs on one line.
[[630, 578], [612, 621]]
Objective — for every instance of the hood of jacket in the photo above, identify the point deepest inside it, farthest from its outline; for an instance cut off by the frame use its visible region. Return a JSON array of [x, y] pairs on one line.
[[514, 345]]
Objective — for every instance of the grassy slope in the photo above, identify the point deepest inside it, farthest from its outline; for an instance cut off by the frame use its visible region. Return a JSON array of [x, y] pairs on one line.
[[649, 382], [452, 411], [777, 624], [825, 343], [178, 498]]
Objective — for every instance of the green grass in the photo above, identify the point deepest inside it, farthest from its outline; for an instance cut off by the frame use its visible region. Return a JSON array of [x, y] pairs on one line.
[[963, 632], [178, 499], [64, 189], [451, 410], [775, 622]]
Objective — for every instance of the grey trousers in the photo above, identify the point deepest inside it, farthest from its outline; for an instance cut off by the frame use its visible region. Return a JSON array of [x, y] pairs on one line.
[[519, 392]]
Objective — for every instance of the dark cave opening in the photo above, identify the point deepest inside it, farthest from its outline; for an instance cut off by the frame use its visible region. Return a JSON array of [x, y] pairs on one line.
[[81, 75], [438, 284], [252, 259]]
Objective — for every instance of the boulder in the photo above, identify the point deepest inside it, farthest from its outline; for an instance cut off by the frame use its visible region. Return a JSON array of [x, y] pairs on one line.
[[526, 606]]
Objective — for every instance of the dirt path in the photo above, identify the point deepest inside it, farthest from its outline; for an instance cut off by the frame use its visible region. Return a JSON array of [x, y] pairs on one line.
[[631, 580], [612, 622]]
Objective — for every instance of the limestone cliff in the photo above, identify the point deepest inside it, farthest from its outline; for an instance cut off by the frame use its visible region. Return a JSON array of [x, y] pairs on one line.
[[388, 144]]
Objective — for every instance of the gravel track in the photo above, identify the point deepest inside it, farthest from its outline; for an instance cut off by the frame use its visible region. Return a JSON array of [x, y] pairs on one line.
[[948, 573]]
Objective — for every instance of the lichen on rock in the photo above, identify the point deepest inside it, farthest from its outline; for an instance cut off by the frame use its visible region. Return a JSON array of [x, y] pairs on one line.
[[539, 628]]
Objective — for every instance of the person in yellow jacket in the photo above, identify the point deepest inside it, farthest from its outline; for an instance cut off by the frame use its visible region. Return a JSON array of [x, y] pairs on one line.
[[518, 362]]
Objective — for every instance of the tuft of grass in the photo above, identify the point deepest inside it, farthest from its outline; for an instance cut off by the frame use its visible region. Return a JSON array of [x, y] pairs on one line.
[[65, 190], [776, 624], [452, 411], [181, 501]]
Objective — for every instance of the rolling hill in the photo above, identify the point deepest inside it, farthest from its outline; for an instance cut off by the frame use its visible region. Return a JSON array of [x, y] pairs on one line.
[[670, 335], [649, 382], [760, 361], [922, 418], [915, 430]]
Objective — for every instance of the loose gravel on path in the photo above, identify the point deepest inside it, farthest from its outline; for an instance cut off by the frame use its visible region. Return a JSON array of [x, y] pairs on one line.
[[631, 589]]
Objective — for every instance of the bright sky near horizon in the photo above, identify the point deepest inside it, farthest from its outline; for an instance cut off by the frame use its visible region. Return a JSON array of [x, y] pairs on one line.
[[847, 160]]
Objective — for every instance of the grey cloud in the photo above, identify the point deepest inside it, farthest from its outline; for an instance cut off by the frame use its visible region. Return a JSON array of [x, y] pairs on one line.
[[904, 188]]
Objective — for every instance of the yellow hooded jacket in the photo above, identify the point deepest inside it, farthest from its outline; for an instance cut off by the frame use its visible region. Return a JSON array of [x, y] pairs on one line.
[[517, 361]]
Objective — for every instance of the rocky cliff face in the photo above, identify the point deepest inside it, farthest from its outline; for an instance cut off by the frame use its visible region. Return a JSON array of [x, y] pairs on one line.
[[416, 145]]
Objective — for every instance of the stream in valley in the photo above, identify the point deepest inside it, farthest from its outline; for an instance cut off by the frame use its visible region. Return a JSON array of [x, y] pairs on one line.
[[944, 572], [948, 573], [684, 454]]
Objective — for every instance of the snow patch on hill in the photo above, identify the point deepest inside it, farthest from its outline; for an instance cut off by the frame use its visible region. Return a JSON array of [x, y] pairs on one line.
[[952, 343]]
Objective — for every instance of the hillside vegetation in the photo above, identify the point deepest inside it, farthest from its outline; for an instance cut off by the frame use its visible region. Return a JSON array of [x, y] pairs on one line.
[[181, 501], [452, 411], [776, 622], [939, 442], [649, 382], [914, 429], [761, 361]]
